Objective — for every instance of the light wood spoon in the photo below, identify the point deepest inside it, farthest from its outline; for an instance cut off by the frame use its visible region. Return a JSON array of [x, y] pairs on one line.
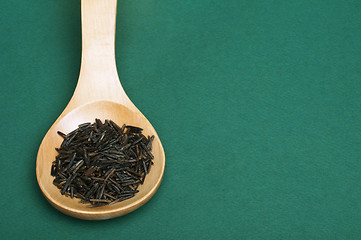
[[98, 94]]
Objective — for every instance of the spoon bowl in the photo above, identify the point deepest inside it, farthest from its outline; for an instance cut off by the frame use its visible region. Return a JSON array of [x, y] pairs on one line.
[[98, 95], [87, 113]]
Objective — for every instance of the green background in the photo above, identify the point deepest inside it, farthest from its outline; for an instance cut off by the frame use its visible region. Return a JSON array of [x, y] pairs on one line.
[[257, 104]]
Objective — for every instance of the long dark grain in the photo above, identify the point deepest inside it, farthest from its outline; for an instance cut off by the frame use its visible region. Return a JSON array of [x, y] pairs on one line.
[[102, 163]]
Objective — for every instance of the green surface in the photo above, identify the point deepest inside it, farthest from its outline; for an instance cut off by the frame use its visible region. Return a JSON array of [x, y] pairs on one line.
[[257, 104]]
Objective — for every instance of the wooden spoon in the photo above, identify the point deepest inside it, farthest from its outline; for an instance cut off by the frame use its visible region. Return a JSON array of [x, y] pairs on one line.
[[98, 94]]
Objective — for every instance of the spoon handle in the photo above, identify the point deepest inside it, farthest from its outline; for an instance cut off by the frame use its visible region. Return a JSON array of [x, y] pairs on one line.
[[98, 79], [98, 31]]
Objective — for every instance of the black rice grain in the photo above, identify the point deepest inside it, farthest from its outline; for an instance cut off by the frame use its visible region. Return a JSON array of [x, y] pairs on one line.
[[102, 163]]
